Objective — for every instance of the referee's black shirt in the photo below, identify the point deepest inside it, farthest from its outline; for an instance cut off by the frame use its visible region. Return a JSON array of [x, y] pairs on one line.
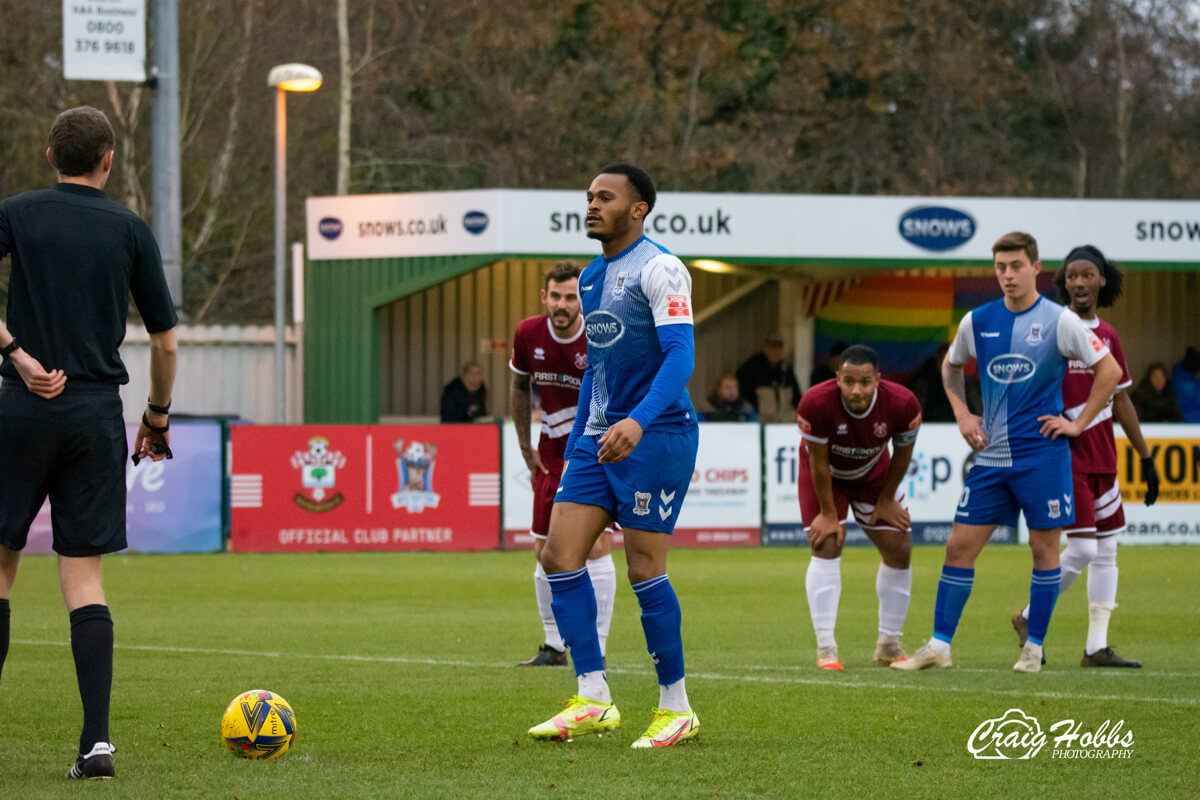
[[76, 258]]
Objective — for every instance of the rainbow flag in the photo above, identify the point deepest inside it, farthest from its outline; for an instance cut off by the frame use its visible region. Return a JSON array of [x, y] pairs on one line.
[[905, 319]]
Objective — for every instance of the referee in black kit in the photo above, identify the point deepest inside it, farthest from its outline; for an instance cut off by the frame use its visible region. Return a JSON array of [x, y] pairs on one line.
[[76, 258]]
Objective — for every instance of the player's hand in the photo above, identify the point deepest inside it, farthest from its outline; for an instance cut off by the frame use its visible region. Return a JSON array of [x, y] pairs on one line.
[[1055, 426], [619, 440], [1150, 476], [152, 443], [822, 528], [971, 428], [889, 512], [37, 379], [533, 460]]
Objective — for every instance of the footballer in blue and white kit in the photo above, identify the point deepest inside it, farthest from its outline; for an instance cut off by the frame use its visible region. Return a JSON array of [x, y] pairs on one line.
[[637, 312], [630, 457], [1022, 344], [1022, 359]]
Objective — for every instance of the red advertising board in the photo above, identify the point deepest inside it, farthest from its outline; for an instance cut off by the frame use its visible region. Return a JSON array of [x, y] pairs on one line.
[[302, 488]]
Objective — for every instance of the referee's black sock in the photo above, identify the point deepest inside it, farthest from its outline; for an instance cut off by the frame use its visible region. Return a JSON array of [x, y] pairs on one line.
[[92, 646], [5, 614]]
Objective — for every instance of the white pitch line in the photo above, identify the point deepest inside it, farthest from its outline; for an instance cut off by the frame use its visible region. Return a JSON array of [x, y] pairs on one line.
[[711, 676], [1122, 674]]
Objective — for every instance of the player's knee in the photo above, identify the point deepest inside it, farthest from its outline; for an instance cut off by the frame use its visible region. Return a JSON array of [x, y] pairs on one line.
[[828, 548]]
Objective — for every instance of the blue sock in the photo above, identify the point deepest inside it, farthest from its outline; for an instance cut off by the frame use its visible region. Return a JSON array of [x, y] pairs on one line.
[[953, 590], [661, 620], [574, 607], [1043, 594]]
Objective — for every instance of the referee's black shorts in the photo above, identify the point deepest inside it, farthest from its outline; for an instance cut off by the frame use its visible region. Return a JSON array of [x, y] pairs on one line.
[[72, 449]]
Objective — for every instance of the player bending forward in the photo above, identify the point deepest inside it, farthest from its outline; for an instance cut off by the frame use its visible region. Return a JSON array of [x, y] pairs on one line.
[[1088, 281], [845, 425], [630, 457], [550, 352], [1023, 460]]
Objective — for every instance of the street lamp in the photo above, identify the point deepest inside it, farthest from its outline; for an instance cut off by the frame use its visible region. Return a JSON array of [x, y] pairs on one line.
[[284, 78]]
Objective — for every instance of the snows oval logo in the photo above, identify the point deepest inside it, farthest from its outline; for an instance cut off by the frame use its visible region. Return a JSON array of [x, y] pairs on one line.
[[475, 222], [937, 228], [330, 228], [1011, 368], [604, 328]]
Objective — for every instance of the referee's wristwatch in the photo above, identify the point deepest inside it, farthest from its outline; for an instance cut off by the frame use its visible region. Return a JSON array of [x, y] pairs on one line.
[[9, 349]]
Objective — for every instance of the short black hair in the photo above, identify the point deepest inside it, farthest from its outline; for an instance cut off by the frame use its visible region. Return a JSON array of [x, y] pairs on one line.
[[1114, 279], [78, 140], [860, 354], [638, 179], [562, 271]]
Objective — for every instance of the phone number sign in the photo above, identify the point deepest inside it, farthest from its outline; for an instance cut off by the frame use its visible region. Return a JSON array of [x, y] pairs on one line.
[[104, 40]]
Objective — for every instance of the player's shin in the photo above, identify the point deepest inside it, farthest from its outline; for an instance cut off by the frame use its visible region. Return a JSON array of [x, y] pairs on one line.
[[894, 588], [541, 590], [1102, 593], [5, 616], [823, 585], [1043, 594], [92, 647], [954, 589], [604, 582], [661, 622], [574, 607]]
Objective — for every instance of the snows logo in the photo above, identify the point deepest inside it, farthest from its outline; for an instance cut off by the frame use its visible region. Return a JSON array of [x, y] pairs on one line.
[[1018, 736], [1011, 368]]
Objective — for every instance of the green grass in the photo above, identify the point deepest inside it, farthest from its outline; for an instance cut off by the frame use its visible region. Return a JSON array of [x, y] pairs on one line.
[[399, 669]]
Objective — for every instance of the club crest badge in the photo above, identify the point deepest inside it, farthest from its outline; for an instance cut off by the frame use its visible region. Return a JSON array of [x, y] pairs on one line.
[[618, 290], [318, 467], [641, 503], [881, 429], [581, 359], [414, 473], [1035, 334], [1052, 509]]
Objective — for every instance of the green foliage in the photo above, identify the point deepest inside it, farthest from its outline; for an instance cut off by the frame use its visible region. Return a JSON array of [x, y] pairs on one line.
[[400, 668]]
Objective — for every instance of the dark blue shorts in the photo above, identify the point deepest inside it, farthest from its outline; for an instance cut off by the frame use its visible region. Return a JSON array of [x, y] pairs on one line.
[[996, 495], [71, 449], [645, 490]]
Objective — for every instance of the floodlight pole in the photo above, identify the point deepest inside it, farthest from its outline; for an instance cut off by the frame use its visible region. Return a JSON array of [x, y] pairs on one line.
[[280, 213]]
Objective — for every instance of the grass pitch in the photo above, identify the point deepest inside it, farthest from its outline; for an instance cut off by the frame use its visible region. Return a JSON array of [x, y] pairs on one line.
[[400, 669]]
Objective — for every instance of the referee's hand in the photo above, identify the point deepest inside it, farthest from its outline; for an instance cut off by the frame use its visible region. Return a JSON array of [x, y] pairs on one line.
[[37, 379], [152, 443]]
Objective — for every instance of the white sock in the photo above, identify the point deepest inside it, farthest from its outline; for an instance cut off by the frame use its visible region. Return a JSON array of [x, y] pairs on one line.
[[1102, 592], [541, 588], [594, 686], [674, 697], [603, 573], [1080, 552], [894, 587], [939, 647], [823, 583]]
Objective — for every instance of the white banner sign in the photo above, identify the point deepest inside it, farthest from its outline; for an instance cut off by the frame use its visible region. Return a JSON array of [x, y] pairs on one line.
[[104, 40], [694, 225], [726, 490], [517, 490]]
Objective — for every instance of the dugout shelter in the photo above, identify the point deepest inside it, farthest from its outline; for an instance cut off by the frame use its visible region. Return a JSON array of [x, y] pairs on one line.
[[401, 289]]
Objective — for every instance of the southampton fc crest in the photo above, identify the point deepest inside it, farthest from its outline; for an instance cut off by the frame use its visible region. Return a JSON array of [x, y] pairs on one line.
[[318, 472], [414, 469]]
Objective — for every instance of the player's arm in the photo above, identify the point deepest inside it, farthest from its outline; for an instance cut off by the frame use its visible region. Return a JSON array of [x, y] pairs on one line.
[[962, 350], [1076, 341], [521, 403], [826, 523], [1126, 414], [668, 290], [888, 510], [37, 379], [153, 441]]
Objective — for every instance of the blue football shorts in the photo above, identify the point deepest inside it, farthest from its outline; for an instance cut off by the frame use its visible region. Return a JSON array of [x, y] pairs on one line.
[[645, 490], [996, 495]]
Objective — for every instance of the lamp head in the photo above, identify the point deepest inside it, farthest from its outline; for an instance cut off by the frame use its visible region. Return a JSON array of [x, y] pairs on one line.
[[294, 78]]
